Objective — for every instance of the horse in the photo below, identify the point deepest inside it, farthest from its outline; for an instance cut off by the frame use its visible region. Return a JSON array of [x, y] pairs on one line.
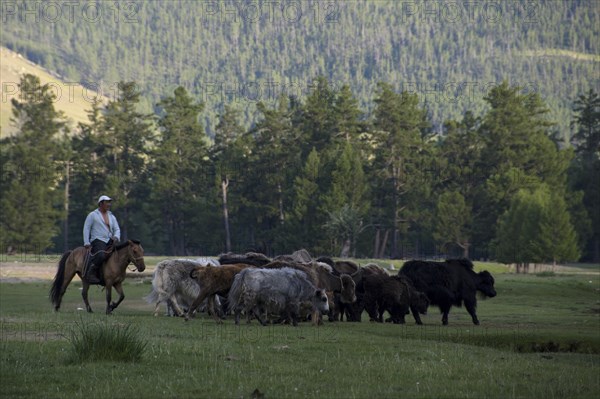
[[113, 271]]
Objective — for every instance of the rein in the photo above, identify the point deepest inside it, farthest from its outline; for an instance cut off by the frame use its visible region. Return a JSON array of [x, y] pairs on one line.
[[134, 260], [116, 253], [102, 250]]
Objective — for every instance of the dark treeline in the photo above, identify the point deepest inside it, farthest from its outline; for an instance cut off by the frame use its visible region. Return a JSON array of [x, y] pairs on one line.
[[224, 51], [316, 172]]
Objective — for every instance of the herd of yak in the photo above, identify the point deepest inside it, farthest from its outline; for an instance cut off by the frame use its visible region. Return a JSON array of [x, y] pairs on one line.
[[297, 287]]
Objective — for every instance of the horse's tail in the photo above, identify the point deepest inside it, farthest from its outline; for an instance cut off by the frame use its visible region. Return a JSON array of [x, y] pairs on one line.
[[58, 279]]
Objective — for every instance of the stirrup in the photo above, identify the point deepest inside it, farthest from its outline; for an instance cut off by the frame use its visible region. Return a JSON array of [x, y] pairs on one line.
[[92, 279], [91, 276]]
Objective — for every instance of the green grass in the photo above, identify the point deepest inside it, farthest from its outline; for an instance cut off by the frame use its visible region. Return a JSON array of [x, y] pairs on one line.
[[546, 274], [98, 341], [540, 337]]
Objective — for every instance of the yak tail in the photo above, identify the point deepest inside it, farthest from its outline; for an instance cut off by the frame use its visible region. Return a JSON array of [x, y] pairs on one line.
[[59, 279], [152, 297], [235, 292], [158, 285]]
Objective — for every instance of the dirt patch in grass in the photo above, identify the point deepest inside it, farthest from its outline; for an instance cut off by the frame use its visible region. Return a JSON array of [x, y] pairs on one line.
[[31, 272], [16, 272]]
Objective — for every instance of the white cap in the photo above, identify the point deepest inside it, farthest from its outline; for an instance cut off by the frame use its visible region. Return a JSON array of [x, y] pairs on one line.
[[104, 198]]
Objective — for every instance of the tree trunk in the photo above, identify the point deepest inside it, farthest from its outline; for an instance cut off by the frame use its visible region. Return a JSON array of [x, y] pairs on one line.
[[395, 244], [381, 252], [179, 237], [224, 185], [124, 235], [66, 229], [281, 214], [376, 249], [396, 176], [171, 230], [465, 247], [345, 249]]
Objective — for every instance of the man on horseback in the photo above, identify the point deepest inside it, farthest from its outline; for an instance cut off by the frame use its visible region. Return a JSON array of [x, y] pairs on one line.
[[99, 231]]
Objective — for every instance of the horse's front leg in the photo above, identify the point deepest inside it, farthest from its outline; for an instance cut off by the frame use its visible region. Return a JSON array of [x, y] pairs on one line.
[[84, 294], [112, 306]]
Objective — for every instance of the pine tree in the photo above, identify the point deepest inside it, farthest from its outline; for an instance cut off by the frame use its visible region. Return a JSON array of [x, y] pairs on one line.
[[453, 221], [516, 133], [347, 199], [129, 135], [460, 152], [307, 217], [89, 168], [587, 121], [536, 228], [517, 153], [273, 164], [179, 167], [228, 156], [349, 185], [517, 227], [318, 118], [347, 115], [586, 166], [557, 240], [32, 165], [398, 124]]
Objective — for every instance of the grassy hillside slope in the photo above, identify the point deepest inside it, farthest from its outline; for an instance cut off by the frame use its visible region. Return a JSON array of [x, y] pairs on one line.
[[72, 98]]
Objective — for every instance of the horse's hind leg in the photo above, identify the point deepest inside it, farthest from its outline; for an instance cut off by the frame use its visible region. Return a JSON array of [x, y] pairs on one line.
[[66, 282]]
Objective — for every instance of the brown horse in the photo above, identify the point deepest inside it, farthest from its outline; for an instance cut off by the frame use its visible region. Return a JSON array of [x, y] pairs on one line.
[[113, 271]]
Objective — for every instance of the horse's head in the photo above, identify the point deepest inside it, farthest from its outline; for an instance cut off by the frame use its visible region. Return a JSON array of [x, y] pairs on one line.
[[136, 254]]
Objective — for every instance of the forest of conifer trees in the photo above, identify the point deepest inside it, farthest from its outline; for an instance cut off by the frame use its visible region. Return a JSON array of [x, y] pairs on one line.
[[316, 172], [351, 128]]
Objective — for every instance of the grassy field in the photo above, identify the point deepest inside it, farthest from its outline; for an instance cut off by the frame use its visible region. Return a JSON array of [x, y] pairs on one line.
[[540, 337]]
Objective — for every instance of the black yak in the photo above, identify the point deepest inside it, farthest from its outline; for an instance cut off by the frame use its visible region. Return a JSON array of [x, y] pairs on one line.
[[449, 283], [395, 294]]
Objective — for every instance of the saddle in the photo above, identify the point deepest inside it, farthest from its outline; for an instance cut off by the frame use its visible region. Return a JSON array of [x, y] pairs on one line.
[[88, 263]]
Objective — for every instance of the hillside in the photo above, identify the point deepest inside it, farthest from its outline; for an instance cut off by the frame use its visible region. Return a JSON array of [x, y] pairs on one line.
[[72, 99], [244, 52]]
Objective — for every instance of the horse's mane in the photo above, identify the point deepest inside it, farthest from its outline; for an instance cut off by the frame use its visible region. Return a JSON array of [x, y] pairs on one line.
[[126, 243]]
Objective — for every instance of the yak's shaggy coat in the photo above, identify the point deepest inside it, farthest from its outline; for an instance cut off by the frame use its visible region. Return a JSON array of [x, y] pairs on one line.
[[173, 285], [276, 291], [450, 283]]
